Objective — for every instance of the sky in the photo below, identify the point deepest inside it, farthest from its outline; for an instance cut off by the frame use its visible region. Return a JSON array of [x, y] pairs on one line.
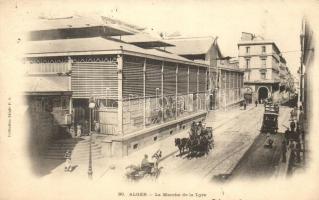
[[279, 21]]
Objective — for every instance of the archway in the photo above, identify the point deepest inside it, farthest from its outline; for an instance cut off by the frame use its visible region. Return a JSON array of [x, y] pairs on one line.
[[262, 93]]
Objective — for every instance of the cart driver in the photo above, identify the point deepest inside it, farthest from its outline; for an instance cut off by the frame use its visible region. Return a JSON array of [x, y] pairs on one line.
[[199, 128], [146, 165]]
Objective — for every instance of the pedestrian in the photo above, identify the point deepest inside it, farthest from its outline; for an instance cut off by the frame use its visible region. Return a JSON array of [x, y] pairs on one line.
[[96, 126], [283, 150], [287, 135], [300, 108], [256, 102], [298, 131], [245, 105], [298, 150], [292, 126], [68, 165], [292, 157], [78, 130], [72, 131], [301, 117]]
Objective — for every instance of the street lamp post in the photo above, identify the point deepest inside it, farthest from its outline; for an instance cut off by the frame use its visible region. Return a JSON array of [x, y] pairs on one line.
[[91, 106]]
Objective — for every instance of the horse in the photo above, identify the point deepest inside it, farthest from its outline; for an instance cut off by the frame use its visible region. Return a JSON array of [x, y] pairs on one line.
[[182, 144]]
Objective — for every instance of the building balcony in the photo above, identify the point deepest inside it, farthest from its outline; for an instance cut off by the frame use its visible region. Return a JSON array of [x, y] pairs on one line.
[[263, 70], [246, 55], [263, 55]]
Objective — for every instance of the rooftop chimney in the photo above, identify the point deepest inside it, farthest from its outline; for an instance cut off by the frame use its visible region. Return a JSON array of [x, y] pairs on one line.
[[246, 36]]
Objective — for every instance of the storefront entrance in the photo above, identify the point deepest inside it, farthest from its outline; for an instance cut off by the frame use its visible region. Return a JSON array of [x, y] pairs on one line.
[[262, 94], [81, 114]]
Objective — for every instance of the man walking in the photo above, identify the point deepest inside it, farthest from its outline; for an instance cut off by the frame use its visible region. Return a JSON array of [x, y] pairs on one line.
[[298, 150], [292, 126], [283, 150]]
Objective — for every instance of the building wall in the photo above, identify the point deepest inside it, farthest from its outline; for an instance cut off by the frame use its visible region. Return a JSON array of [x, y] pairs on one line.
[[256, 57], [172, 91], [307, 41], [231, 87]]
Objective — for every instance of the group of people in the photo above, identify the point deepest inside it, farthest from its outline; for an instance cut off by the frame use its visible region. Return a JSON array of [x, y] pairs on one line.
[[196, 130], [199, 131], [294, 135]]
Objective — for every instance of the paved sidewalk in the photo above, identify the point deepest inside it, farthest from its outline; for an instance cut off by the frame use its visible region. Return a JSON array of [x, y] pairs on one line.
[[103, 166]]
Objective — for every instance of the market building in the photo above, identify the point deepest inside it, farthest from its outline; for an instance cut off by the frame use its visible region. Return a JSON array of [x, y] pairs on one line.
[[225, 79], [141, 95], [265, 67]]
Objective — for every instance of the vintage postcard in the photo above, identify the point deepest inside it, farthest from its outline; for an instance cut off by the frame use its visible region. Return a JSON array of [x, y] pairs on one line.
[[140, 100]]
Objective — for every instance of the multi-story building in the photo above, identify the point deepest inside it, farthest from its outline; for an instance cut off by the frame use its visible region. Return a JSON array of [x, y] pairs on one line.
[[225, 79], [307, 43], [265, 68], [142, 95]]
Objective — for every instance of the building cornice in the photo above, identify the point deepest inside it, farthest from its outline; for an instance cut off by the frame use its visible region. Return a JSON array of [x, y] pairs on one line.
[[113, 52]]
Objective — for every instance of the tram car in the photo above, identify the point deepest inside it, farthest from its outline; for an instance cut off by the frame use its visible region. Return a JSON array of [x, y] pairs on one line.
[[270, 119]]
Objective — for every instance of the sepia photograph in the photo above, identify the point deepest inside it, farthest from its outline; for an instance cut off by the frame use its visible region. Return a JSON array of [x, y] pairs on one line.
[[205, 100]]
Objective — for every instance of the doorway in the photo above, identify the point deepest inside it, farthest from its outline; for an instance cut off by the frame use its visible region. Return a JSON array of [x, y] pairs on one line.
[[262, 93]]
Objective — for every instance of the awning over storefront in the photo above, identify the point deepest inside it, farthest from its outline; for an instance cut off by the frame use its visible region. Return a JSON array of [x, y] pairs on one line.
[[48, 85]]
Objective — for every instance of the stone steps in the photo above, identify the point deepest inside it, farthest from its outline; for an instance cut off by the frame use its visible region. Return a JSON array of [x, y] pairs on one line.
[[79, 147]]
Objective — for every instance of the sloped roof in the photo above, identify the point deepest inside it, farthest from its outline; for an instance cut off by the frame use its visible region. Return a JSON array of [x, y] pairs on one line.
[[87, 46], [47, 84], [68, 27], [190, 46], [145, 40], [75, 45], [131, 27]]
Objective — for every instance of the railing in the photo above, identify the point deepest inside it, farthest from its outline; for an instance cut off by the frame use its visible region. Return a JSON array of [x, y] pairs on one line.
[[108, 128]]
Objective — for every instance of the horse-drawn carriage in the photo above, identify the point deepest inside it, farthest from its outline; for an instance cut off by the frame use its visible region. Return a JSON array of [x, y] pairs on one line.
[[270, 119], [150, 171], [199, 142]]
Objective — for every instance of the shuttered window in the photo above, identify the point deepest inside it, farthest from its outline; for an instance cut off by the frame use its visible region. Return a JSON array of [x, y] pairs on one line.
[[182, 79], [169, 79], [202, 79], [192, 79], [153, 78], [94, 78], [133, 77]]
